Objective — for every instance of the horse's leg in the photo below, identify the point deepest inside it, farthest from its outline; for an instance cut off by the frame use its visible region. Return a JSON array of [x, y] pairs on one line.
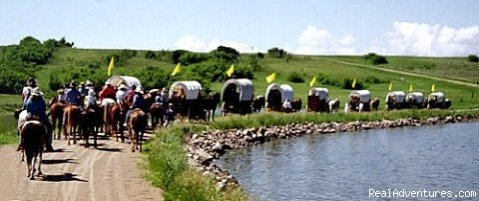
[[32, 167], [74, 134], [142, 133], [40, 158], [29, 167], [132, 138]]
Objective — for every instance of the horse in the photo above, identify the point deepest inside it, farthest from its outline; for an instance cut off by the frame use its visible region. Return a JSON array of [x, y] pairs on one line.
[[390, 102], [108, 117], [136, 128], [296, 105], [89, 124], [209, 103], [374, 104], [56, 113], [34, 138], [258, 103], [157, 111], [72, 118], [333, 105]]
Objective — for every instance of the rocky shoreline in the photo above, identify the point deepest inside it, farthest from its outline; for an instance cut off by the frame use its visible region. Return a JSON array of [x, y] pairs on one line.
[[206, 147]]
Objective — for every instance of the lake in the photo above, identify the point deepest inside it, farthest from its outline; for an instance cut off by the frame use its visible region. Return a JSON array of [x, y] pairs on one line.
[[345, 166]]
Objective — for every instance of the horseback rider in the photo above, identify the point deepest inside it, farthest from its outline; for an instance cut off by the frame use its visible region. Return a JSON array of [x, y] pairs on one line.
[[90, 98], [36, 106], [108, 91], [27, 90], [287, 107], [138, 102], [73, 95], [161, 97], [121, 94], [169, 115]]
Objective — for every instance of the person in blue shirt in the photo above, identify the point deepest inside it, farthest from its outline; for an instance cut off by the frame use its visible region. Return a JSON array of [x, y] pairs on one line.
[[138, 102], [36, 106], [73, 95]]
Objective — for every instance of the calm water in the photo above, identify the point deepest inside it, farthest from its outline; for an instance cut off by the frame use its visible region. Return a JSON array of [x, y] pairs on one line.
[[345, 166]]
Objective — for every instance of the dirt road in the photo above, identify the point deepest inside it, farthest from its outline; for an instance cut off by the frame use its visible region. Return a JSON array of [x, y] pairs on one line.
[[406, 73], [73, 172]]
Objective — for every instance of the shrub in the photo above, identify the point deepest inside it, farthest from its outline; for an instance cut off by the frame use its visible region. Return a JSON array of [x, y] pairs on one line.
[[260, 55], [348, 84], [473, 58], [226, 54], [175, 55], [296, 77], [277, 52], [192, 58], [150, 55], [375, 58]]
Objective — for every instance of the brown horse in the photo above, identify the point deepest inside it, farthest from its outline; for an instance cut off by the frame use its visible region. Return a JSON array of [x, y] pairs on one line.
[[258, 103], [157, 112], [34, 137], [374, 104], [56, 113], [72, 118], [117, 115], [136, 128], [89, 124], [108, 117]]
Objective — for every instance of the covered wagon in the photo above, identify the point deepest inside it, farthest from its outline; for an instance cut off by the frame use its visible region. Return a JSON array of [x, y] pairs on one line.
[[184, 97], [318, 99], [277, 94], [414, 100], [128, 81], [438, 100], [359, 100], [237, 96], [395, 100]]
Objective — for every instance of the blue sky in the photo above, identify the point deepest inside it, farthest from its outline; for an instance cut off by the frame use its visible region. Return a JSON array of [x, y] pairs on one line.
[[431, 28]]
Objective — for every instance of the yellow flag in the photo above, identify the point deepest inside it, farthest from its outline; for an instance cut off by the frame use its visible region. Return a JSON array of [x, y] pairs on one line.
[[390, 87], [433, 87], [410, 87], [111, 65], [176, 70], [353, 85], [231, 70], [312, 82], [271, 78]]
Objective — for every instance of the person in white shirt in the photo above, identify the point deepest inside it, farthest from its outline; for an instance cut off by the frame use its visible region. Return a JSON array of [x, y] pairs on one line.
[[27, 90], [121, 94]]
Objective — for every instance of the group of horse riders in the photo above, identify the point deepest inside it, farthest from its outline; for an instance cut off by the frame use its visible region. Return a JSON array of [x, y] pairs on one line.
[[85, 98]]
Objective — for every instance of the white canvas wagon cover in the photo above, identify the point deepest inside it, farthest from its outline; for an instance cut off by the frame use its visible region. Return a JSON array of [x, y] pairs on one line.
[[418, 97], [400, 95], [364, 95], [322, 93], [190, 88], [244, 86], [285, 89], [128, 81], [439, 96]]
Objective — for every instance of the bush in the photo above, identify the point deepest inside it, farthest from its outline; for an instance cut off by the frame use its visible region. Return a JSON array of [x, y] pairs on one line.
[[375, 58], [192, 58], [150, 55], [175, 55], [277, 52], [13, 76], [296, 77], [260, 55], [375, 80], [326, 80], [473, 58], [348, 84], [225, 54]]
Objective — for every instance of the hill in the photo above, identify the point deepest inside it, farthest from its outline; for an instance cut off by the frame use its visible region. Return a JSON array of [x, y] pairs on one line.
[[333, 72]]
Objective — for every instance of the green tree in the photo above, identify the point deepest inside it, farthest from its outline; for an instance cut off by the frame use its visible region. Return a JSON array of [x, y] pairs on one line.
[[473, 58], [277, 52]]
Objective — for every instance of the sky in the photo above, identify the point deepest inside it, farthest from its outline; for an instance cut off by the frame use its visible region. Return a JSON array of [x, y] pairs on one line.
[[312, 27]]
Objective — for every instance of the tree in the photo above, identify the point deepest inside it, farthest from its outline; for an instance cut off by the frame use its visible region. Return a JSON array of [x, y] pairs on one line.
[[375, 59], [150, 55], [175, 55], [226, 53], [473, 58], [31, 50], [277, 52]]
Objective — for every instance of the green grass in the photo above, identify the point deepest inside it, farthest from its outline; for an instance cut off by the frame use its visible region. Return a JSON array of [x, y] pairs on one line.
[[8, 131]]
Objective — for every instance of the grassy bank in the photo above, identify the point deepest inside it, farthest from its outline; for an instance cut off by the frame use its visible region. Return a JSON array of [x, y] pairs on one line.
[[167, 157], [8, 132]]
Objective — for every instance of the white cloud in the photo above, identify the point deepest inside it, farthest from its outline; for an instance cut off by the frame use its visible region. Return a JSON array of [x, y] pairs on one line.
[[191, 43], [421, 39], [320, 41]]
